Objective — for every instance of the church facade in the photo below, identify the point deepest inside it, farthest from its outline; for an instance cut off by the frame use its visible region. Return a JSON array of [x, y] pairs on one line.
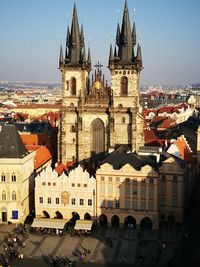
[[96, 117]]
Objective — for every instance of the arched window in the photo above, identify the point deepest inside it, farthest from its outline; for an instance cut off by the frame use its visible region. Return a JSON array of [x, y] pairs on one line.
[[3, 177], [97, 137], [14, 196], [73, 86], [3, 196], [13, 177], [124, 85]]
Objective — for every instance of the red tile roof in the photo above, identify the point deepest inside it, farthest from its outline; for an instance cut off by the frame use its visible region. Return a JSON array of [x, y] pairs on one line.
[[61, 167], [151, 139], [42, 156], [183, 148], [37, 139], [52, 117], [166, 124]]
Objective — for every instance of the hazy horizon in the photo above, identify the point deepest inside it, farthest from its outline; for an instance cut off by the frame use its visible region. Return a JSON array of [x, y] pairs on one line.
[[31, 33]]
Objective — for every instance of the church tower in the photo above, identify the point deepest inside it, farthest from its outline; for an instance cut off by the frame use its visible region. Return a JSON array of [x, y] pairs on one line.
[[125, 65], [75, 68]]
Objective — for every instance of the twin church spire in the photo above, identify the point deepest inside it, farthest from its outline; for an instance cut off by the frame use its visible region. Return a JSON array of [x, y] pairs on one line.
[[75, 52], [124, 53]]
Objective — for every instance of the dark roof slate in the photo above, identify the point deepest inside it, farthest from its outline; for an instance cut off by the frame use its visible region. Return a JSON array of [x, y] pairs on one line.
[[11, 145]]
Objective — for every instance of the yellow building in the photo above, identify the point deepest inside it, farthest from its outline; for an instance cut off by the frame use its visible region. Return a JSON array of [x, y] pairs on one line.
[[139, 191], [16, 176]]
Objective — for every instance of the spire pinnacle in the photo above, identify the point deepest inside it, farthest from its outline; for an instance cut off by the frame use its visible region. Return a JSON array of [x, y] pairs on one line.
[[139, 53], [134, 35], [61, 59], [111, 53], [82, 37], [118, 35], [89, 56]]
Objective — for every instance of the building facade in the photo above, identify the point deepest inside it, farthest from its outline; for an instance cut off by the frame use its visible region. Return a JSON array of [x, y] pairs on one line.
[[96, 117], [16, 176], [64, 196]]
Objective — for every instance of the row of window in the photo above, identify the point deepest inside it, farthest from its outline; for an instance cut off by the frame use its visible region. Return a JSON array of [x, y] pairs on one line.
[[72, 185], [135, 204], [4, 197], [162, 201], [74, 201], [13, 178], [127, 180], [175, 178]]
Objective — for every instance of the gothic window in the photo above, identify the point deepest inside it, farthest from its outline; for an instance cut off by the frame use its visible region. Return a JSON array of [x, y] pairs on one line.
[[73, 85], [13, 177], [3, 195], [97, 137], [3, 177], [14, 196], [124, 86]]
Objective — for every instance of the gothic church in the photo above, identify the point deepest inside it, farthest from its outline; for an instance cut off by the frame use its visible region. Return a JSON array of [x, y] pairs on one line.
[[96, 117]]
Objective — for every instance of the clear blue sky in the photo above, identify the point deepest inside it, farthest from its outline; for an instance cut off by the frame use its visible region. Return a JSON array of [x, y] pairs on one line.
[[168, 31]]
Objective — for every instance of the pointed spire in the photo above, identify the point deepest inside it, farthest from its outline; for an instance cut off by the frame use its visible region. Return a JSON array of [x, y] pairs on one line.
[[82, 37], [139, 53], [125, 48], [89, 56], [115, 53], [68, 37], [84, 55], [118, 35], [111, 53], [61, 59], [134, 35]]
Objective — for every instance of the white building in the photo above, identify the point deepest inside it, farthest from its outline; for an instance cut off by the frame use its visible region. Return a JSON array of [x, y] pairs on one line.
[[66, 195]]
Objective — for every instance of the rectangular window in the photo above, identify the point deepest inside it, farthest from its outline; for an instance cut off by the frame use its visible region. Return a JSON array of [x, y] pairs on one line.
[[79, 185], [81, 202], [49, 183], [174, 188], [73, 185], [163, 177], [102, 178], [43, 183], [135, 204], [151, 192], [54, 184], [117, 179], [135, 180], [143, 205], [85, 185], [127, 180], [163, 187], [162, 201], [143, 191], [127, 190], [57, 200], [109, 203], [127, 204], [175, 178], [48, 200], [89, 202], [110, 179], [73, 201], [151, 205], [174, 201], [41, 200], [103, 203], [143, 181], [151, 181], [135, 192], [117, 204]]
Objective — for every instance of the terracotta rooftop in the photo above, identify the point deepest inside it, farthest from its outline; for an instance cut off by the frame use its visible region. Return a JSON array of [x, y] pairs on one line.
[[42, 156], [166, 124], [61, 167]]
